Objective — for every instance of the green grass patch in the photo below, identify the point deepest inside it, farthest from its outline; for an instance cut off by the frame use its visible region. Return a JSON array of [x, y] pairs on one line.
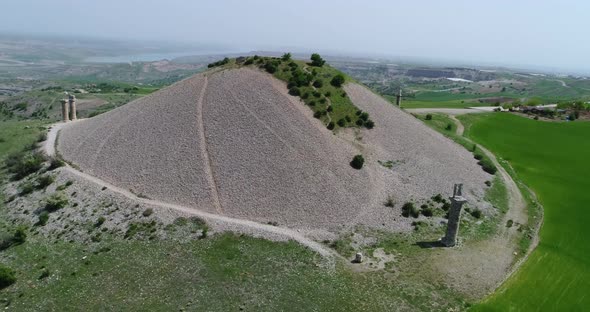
[[549, 158]]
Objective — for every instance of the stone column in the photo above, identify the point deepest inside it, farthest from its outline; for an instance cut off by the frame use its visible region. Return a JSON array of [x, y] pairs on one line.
[[72, 100], [398, 99], [64, 110], [457, 201]]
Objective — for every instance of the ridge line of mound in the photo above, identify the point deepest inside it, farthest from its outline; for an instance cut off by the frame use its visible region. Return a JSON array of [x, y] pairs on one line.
[[205, 152]]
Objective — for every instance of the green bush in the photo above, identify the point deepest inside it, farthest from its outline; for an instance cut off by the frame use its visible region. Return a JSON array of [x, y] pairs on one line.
[[219, 63], [337, 81], [55, 163], [100, 221], [478, 156], [318, 83], [294, 91], [427, 212], [26, 188], [437, 198], [317, 114], [20, 236], [360, 122], [270, 67], [369, 124], [44, 181], [446, 206], [328, 94], [286, 57], [449, 127], [341, 122], [305, 95], [148, 212], [7, 277], [331, 125], [316, 60], [24, 163], [364, 116], [317, 94], [55, 202], [409, 209], [488, 166], [249, 61], [311, 103], [329, 109], [428, 117], [43, 218], [357, 161], [476, 213]]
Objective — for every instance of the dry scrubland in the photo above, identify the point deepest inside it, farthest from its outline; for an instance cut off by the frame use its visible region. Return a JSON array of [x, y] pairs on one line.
[[233, 142]]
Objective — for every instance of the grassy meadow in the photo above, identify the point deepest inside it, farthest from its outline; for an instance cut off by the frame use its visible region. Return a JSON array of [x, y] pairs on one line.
[[552, 159]]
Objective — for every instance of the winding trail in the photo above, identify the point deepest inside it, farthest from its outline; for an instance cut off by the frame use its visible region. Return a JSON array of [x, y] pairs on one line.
[[205, 152], [328, 254], [502, 246]]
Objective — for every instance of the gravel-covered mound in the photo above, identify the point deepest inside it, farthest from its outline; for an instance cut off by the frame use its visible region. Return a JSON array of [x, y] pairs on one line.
[[234, 142], [424, 161]]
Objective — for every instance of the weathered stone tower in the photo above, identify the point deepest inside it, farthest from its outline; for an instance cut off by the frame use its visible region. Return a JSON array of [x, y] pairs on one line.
[[457, 201], [398, 98], [72, 100], [64, 110]]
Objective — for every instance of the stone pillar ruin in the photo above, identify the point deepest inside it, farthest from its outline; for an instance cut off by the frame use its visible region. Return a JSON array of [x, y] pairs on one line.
[[398, 99], [457, 201], [72, 100], [64, 110]]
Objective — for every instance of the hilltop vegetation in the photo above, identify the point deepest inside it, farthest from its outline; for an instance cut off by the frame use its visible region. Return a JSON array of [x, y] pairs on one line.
[[317, 84]]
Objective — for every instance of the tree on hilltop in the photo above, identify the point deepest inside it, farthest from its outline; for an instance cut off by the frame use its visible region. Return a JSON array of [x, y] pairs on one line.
[[337, 81], [286, 57], [317, 60]]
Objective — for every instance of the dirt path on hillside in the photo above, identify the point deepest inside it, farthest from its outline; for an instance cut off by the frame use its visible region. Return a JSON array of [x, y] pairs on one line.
[[479, 268], [205, 153], [460, 127], [264, 230]]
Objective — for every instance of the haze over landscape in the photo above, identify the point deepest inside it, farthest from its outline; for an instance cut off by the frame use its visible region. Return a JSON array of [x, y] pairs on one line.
[[544, 35], [294, 156]]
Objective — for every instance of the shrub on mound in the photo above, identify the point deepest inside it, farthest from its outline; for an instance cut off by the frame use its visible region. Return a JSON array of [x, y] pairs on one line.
[[487, 166], [428, 117], [56, 202], [369, 124], [357, 161], [318, 83], [337, 81], [295, 91], [331, 125], [270, 67], [428, 212], [7, 277], [43, 218], [476, 213], [24, 163], [316, 60], [409, 209]]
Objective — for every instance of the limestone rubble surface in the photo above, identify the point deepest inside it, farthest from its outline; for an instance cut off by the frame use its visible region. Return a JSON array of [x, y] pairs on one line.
[[233, 142]]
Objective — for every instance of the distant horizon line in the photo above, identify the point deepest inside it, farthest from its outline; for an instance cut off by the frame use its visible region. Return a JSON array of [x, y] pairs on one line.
[[229, 49]]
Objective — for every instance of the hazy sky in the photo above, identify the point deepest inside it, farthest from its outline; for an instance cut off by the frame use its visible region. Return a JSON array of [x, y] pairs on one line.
[[518, 32]]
